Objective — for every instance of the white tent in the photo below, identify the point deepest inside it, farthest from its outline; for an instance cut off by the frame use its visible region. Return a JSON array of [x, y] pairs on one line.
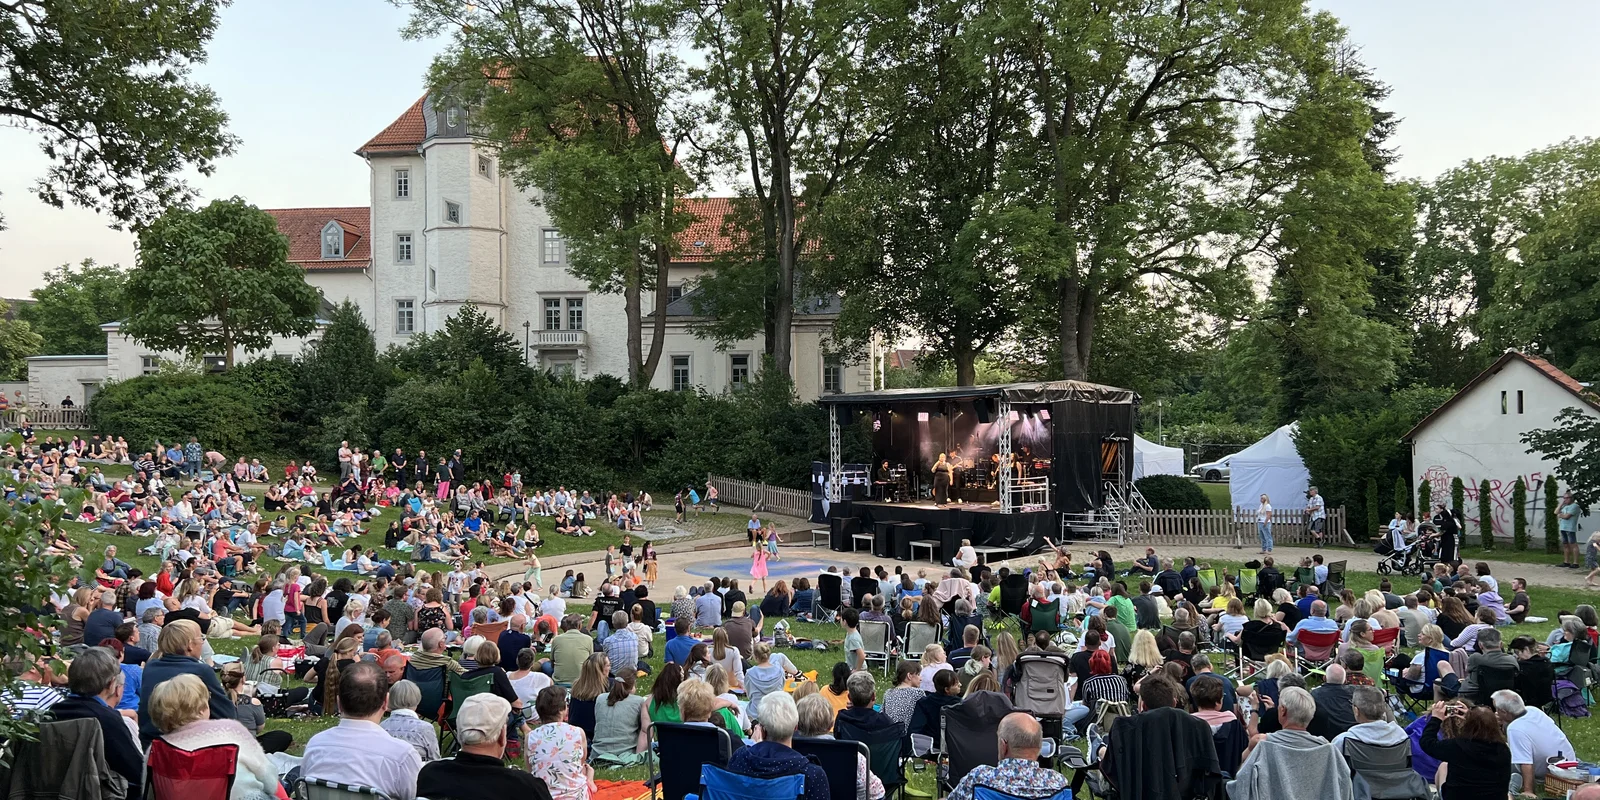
[[1150, 458], [1271, 467]]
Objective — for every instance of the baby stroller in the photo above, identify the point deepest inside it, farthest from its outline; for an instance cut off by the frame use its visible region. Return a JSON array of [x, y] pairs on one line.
[[1410, 560]]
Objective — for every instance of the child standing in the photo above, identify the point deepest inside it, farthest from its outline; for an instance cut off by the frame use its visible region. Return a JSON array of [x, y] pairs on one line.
[[758, 563], [651, 567]]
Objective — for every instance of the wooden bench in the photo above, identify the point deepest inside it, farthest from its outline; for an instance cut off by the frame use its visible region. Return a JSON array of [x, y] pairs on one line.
[[932, 545], [821, 533], [986, 553], [857, 539]]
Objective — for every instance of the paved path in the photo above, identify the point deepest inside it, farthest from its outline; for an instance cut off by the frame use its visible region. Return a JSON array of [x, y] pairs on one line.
[[687, 567]]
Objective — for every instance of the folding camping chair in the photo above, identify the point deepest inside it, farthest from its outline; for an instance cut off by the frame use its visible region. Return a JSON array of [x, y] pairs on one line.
[[1335, 582], [1302, 576], [830, 594], [1317, 651], [969, 736], [432, 684], [876, 638], [1418, 695], [883, 751], [1387, 639], [717, 783], [1207, 576], [1013, 594], [681, 750], [1251, 655], [838, 759], [1247, 582], [918, 636], [173, 773], [318, 789]]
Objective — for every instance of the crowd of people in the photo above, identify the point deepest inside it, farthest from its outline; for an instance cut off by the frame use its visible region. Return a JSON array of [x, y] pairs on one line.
[[1149, 650]]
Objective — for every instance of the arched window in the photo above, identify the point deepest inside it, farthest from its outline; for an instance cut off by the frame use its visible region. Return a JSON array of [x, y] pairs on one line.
[[332, 240]]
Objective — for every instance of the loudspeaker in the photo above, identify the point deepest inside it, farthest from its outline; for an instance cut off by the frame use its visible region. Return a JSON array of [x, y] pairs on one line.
[[882, 540], [904, 534], [983, 408], [845, 415], [840, 529], [950, 542]]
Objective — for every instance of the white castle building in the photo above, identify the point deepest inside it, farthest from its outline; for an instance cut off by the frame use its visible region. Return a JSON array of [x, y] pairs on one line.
[[445, 227]]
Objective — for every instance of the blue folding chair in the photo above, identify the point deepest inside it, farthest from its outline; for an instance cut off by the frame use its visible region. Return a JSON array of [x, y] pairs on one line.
[[839, 759], [680, 751], [981, 792], [717, 783]]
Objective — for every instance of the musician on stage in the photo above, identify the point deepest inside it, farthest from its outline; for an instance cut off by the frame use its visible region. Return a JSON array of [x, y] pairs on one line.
[[942, 473], [884, 479]]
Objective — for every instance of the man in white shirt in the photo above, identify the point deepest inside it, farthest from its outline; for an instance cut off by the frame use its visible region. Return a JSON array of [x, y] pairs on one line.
[[358, 751], [1317, 510], [344, 460], [455, 583], [1533, 737]]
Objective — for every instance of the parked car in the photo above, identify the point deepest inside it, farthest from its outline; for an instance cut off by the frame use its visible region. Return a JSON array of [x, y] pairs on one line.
[[1218, 470]]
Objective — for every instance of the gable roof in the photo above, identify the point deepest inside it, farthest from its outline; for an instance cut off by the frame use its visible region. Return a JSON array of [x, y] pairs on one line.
[[706, 237], [404, 135], [1539, 365], [304, 227]]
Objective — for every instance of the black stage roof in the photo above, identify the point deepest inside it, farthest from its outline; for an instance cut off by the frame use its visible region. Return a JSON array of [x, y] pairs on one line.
[[1047, 392]]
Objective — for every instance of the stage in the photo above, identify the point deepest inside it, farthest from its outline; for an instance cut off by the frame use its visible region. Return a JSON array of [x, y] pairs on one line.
[[895, 524]]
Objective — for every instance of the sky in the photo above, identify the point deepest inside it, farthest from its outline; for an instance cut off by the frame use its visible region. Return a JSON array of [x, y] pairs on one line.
[[306, 82]]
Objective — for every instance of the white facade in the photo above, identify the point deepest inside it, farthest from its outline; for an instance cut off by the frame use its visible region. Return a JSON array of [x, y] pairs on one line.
[[1477, 435], [53, 378]]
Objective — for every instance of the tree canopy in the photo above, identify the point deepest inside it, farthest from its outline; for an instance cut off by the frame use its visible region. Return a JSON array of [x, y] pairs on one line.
[[68, 310]]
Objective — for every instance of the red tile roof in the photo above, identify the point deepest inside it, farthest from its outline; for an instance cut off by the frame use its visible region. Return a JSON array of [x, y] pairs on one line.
[[403, 135], [706, 237], [304, 226], [1549, 370]]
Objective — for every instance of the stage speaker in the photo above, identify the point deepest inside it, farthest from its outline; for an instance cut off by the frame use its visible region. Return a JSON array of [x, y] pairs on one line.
[[882, 540], [839, 532], [983, 408], [950, 542], [904, 534], [845, 415]]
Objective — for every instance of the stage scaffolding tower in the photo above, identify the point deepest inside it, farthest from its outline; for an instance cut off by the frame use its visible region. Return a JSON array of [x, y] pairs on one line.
[[1003, 419]]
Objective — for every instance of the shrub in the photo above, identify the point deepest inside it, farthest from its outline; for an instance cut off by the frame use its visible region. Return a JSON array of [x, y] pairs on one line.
[[1552, 523], [226, 415], [1424, 500], [1519, 522], [1172, 491], [1485, 516]]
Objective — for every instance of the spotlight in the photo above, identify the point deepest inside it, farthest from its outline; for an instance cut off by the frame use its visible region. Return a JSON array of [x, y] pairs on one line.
[[1044, 414], [1015, 416], [922, 416]]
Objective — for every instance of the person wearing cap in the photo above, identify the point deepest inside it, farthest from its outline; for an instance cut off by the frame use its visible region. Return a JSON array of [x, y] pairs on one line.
[[477, 770]]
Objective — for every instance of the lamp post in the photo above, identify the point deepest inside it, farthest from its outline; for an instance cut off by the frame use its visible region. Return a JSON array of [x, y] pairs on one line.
[[527, 340]]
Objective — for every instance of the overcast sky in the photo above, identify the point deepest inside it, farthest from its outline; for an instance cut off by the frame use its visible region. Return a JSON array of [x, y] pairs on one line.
[[306, 82]]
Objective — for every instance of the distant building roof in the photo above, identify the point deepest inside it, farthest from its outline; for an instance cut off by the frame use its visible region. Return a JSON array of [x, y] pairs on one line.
[[405, 134], [304, 227], [707, 236], [1549, 370]]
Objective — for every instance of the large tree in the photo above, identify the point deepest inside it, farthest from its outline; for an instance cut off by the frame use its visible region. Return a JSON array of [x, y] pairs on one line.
[[786, 78], [909, 241], [107, 85], [18, 342], [1139, 171], [215, 279], [73, 303], [589, 102], [1551, 304]]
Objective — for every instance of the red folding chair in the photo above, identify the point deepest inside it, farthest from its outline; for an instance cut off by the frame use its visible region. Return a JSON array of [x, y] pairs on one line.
[[178, 774], [1386, 638], [1317, 650]]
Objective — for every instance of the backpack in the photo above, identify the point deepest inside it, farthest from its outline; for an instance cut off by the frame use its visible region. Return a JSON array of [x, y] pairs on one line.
[[1108, 711], [1570, 701]]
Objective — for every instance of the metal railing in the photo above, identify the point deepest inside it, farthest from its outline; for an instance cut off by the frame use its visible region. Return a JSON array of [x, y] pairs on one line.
[[70, 419], [762, 497]]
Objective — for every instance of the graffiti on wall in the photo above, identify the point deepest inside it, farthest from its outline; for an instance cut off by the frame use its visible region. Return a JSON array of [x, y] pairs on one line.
[[1500, 491]]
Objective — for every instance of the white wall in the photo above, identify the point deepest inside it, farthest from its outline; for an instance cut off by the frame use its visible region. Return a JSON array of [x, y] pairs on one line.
[[125, 357], [1474, 440], [391, 215], [51, 378], [338, 285]]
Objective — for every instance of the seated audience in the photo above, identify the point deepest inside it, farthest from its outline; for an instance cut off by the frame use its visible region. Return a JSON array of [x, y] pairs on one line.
[[1292, 763], [773, 757], [477, 770], [358, 750], [1533, 737], [94, 687], [1334, 713], [1018, 772], [1476, 762], [181, 710], [1375, 727], [556, 749], [404, 724], [816, 722]]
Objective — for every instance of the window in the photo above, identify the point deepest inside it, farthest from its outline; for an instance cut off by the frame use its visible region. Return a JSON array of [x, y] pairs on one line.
[[552, 314], [680, 373], [452, 117], [214, 363], [553, 248], [565, 368], [674, 293], [433, 279], [738, 369], [1519, 401], [402, 183], [485, 167], [150, 364], [452, 212], [575, 314], [832, 375], [405, 316], [402, 248], [332, 240], [1502, 402]]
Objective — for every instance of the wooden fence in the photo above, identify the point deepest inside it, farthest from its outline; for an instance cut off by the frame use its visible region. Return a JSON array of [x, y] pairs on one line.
[[752, 495], [1236, 528], [71, 419]]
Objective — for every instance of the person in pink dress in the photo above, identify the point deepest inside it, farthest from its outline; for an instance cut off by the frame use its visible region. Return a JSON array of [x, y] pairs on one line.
[[758, 562]]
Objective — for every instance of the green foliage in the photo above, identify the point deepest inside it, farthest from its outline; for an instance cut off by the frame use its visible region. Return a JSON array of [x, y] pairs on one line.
[[1346, 449], [70, 307], [1550, 302], [1519, 510], [31, 574], [1402, 494], [1458, 495], [1424, 507], [1574, 445], [107, 87], [985, 371], [18, 342], [1371, 502], [215, 279], [1172, 491], [1552, 523], [229, 413], [338, 372], [468, 336], [1485, 516]]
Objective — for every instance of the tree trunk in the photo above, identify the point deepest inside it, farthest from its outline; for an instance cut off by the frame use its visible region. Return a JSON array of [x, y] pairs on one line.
[[783, 302], [632, 286], [227, 350], [1068, 293], [966, 359], [658, 324]]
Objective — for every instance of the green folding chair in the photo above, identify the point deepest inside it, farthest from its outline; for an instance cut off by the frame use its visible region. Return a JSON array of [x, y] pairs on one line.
[[1208, 577], [1247, 582]]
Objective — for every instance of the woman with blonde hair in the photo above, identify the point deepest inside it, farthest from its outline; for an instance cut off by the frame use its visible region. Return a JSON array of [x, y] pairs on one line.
[[180, 709], [1005, 653], [345, 652], [982, 683], [727, 657], [933, 660], [717, 678], [1144, 657]]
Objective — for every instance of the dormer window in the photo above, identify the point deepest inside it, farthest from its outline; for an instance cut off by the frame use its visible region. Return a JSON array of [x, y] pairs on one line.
[[452, 117], [332, 240]]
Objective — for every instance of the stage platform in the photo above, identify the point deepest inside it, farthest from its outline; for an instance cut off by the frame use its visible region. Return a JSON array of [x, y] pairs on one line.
[[895, 525]]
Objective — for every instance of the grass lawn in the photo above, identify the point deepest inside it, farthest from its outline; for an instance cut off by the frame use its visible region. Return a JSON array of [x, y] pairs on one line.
[[1217, 493]]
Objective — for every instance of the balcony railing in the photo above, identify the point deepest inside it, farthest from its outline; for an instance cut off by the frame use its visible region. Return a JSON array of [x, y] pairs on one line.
[[549, 339]]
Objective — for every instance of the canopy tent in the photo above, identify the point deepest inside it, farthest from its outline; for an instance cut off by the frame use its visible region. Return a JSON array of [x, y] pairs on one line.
[[1270, 467], [1150, 458]]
